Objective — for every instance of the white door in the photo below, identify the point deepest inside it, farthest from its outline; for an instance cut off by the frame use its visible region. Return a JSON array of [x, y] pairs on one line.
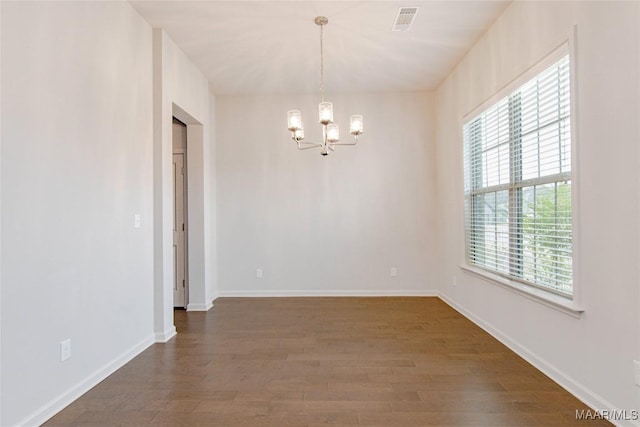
[[179, 232]]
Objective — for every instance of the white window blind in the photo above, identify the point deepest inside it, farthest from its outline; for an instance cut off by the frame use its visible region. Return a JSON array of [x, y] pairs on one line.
[[517, 158]]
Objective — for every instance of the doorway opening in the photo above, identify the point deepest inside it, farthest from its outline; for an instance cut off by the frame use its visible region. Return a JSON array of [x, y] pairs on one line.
[[180, 222]]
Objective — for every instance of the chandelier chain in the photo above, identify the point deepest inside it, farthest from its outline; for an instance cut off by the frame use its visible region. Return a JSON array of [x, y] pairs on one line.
[[321, 63]]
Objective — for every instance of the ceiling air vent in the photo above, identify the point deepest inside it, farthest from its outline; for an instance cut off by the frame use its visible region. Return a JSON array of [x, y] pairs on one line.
[[405, 18]]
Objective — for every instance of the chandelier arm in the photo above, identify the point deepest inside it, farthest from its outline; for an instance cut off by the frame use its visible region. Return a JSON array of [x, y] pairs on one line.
[[308, 147], [313, 144], [355, 141]]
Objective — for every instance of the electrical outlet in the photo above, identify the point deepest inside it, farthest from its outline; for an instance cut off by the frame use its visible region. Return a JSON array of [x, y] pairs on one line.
[[65, 349], [136, 221], [393, 272], [454, 281], [636, 364], [258, 273]]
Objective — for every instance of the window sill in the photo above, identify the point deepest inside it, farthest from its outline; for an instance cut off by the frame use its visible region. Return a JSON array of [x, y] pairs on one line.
[[557, 302]]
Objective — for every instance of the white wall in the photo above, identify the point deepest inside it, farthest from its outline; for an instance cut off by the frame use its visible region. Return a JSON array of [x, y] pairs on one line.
[[182, 91], [592, 356], [325, 225], [76, 167]]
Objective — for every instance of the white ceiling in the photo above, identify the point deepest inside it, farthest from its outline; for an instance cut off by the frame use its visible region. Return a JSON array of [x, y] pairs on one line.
[[255, 47]]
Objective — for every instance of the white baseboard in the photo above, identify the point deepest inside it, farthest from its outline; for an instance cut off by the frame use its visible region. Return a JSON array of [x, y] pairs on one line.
[[329, 293], [587, 396], [162, 337], [199, 306], [47, 411]]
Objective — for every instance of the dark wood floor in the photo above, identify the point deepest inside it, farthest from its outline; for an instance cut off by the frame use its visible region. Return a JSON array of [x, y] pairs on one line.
[[316, 361]]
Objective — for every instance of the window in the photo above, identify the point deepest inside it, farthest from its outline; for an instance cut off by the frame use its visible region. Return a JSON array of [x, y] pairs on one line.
[[517, 157]]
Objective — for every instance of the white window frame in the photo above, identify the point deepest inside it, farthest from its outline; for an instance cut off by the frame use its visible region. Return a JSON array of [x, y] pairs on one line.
[[568, 305]]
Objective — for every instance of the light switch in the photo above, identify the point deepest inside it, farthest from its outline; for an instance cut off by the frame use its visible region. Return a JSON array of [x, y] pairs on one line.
[[136, 221], [65, 349]]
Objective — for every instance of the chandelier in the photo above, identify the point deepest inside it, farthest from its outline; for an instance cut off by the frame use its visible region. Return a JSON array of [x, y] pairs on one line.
[[330, 130]]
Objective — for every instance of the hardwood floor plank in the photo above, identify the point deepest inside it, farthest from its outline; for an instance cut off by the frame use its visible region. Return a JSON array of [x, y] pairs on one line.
[[318, 361]]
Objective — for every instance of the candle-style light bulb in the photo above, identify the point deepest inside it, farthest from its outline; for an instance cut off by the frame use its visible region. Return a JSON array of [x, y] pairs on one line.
[[326, 113], [357, 126], [333, 133], [294, 120]]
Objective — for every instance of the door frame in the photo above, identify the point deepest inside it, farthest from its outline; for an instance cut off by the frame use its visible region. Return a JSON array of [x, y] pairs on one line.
[[185, 205], [197, 211]]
